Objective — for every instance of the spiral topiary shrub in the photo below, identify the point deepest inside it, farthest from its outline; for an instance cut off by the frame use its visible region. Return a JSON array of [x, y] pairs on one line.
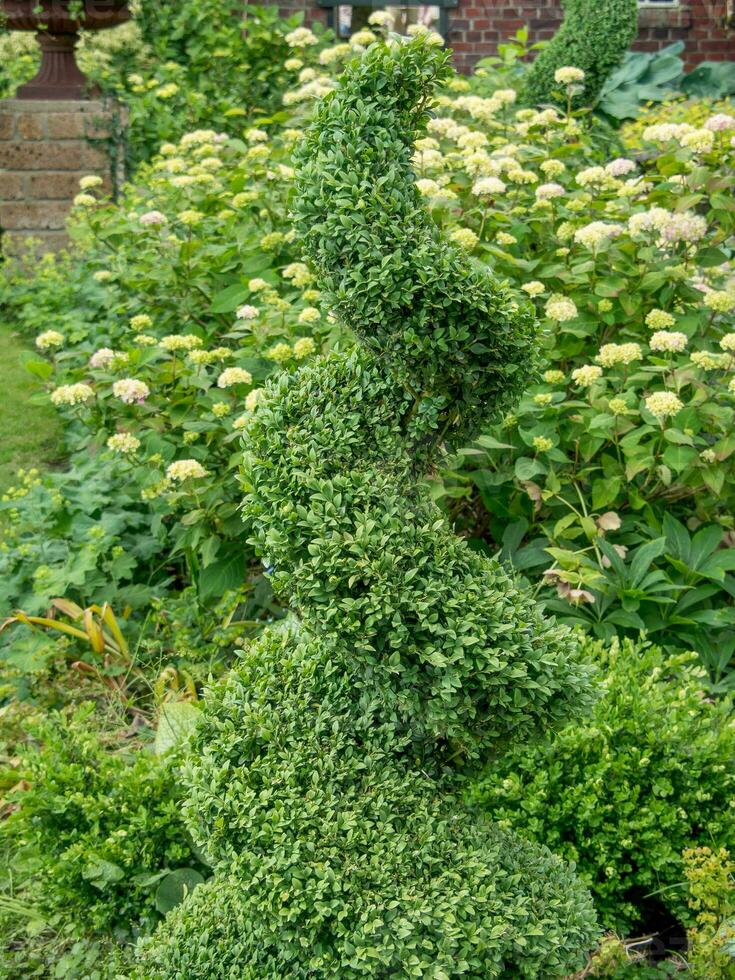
[[326, 787], [593, 37]]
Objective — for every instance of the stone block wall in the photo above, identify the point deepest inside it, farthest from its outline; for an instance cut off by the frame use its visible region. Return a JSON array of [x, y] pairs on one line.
[[45, 147]]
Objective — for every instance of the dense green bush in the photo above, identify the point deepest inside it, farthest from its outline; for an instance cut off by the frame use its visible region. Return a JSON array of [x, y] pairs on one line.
[[323, 789], [622, 793], [593, 37], [103, 823]]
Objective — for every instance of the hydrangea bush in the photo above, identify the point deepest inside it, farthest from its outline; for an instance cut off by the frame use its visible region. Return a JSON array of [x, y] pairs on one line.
[[627, 260], [325, 786], [159, 348]]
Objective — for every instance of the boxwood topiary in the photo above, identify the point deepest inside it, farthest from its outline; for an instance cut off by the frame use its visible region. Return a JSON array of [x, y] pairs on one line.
[[325, 786], [622, 792], [593, 37]]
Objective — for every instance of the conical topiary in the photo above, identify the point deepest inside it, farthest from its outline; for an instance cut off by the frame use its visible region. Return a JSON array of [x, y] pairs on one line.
[[594, 36], [324, 786]]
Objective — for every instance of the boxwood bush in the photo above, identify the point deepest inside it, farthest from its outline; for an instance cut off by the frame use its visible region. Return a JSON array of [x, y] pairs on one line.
[[624, 791], [325, 782], [593, 37]]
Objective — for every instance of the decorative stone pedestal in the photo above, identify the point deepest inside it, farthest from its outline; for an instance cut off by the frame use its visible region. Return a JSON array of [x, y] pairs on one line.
[[45, 147]]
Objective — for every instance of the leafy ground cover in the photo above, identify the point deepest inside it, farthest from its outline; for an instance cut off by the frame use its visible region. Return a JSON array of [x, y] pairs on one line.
[[606, 489]]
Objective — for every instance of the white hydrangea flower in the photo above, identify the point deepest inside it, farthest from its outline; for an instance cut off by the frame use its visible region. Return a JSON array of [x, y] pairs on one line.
[[586, 375], [234, 376], [560, 308], [153, 218], [662, 404], [672, 342], [568, 75], [123, 442], [131, 390], [185, 469], [76, 394], [49, 339], [302, 37]]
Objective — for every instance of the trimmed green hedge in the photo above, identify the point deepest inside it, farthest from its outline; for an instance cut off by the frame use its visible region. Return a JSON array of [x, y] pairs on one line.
[[594, 36], [325, 782], [622, 792]]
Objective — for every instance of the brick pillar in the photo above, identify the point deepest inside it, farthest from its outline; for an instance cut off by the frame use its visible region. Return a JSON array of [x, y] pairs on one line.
[[45, 147]]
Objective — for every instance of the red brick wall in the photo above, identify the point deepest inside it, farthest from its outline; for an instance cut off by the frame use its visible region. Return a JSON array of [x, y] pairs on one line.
[[476, 26]]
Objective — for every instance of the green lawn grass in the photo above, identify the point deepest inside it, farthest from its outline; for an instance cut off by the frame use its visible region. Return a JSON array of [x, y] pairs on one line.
[[29, 432]]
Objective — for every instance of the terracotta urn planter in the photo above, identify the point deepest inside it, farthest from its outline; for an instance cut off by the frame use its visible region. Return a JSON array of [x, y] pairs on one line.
[[57, 24]]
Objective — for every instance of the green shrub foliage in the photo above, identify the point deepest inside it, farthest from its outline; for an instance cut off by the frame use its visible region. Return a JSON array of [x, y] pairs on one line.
[[104, 825], [650, 772], [325, 786], [593, 37]]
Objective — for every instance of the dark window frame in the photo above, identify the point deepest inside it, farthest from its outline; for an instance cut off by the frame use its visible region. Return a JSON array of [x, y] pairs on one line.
[[444, 7]]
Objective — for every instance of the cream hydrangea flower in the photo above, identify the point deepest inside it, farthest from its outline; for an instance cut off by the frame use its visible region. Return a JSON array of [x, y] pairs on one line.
[[728, 343], [141, 321], [720, 122], [546, 192], [204, 357], [662, 404], [76, 394], [131, 390], [123, 442], [234, 376], [560, 308], [586, 375], [280, 353], [618, 406], [303, 347], [488, 187], [185, 469], [298, 273], [568, 75], [102, 358], [309, 314], [720, 300], [302, 37], [620, 166], [381, 18], [247, 312], [534, 287], [673, 342], [180, 341], [49, 339], [465, 238], [659, 320], [552, 168], [427, 187], [596, 232], [612, 354], [554, 377], [84, 201], [153, 218], [709, 361], [90, 181], [503, 238]]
